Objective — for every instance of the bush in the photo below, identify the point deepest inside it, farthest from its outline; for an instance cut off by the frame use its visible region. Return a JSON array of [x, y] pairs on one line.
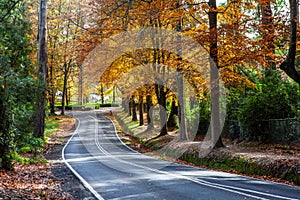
[[274, 98]]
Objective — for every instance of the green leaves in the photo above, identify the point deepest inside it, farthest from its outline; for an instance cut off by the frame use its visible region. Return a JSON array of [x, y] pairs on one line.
[[274, 98], [16, 84]]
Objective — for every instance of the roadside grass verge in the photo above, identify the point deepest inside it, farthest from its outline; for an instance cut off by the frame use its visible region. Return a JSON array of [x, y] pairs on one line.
[[229, 163], [281, 170], [51, 125], [31, 149]]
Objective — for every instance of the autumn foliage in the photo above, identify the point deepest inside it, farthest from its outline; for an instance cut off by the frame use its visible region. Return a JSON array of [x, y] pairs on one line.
[[248, 41]]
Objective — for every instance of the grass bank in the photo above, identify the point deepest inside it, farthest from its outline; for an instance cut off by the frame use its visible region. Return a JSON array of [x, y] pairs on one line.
[[282, 170]]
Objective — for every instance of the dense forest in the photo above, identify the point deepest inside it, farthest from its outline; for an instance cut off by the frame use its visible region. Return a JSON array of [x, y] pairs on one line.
[[48, 48]]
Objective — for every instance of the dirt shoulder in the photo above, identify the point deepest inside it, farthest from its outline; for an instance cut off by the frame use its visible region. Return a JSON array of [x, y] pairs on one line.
[[45, 180]]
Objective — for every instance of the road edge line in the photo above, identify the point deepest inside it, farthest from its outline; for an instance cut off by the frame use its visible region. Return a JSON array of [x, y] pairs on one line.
[[81, 179], [236, 190], [174, 175], [115, 130]]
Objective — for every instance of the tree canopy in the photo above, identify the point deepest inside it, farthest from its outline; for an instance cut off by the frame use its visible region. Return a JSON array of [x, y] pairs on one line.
[[253, 45]]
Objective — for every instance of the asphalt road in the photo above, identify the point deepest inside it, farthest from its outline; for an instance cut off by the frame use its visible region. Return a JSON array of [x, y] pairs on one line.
[[111, 170]]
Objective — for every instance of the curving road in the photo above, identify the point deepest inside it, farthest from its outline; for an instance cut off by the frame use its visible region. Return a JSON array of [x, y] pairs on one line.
[[111, 170]]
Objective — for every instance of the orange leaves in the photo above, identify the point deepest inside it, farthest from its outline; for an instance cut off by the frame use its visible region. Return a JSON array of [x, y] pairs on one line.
[[233, 79], [243, 39], [298, 42]]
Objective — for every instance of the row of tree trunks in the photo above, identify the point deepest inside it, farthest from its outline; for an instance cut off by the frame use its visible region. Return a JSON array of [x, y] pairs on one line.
[[142, 108]]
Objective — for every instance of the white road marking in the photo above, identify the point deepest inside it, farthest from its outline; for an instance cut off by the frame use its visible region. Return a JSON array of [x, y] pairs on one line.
[[201, 182], [240, 191], [84, 182]]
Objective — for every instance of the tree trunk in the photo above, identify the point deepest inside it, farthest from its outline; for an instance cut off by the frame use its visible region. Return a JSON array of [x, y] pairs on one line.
[[149, 105], [125, 104], [133, 106], [68, 98], [268, 32], [179, 80], [160, 90], [102, 93], [40, 107], [114, 95], [162, 101], [80, 92], [181, 107], [130, 105], [288, 66], [171, 124], [145, 107], [52, 102], [51, 91], [214, 76], [158, 57], [141, 113], [63, 98]]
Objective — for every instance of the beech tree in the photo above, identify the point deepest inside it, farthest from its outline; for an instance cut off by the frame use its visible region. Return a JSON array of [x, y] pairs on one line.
[[215, 122], [235, 37]]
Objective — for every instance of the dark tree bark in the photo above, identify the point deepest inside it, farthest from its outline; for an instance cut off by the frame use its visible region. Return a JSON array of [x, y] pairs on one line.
[[149, 105], [52, 102], [63, 94], [214, 76], [288, 66], [51, 90], [171, 124], [40, 107], [66, 70], [162, 101], [141, 113], [102, 93], [114, 94], [130, 105], [80, 93], [145, 107], [133, 107], [68, 96], [268, 35]]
